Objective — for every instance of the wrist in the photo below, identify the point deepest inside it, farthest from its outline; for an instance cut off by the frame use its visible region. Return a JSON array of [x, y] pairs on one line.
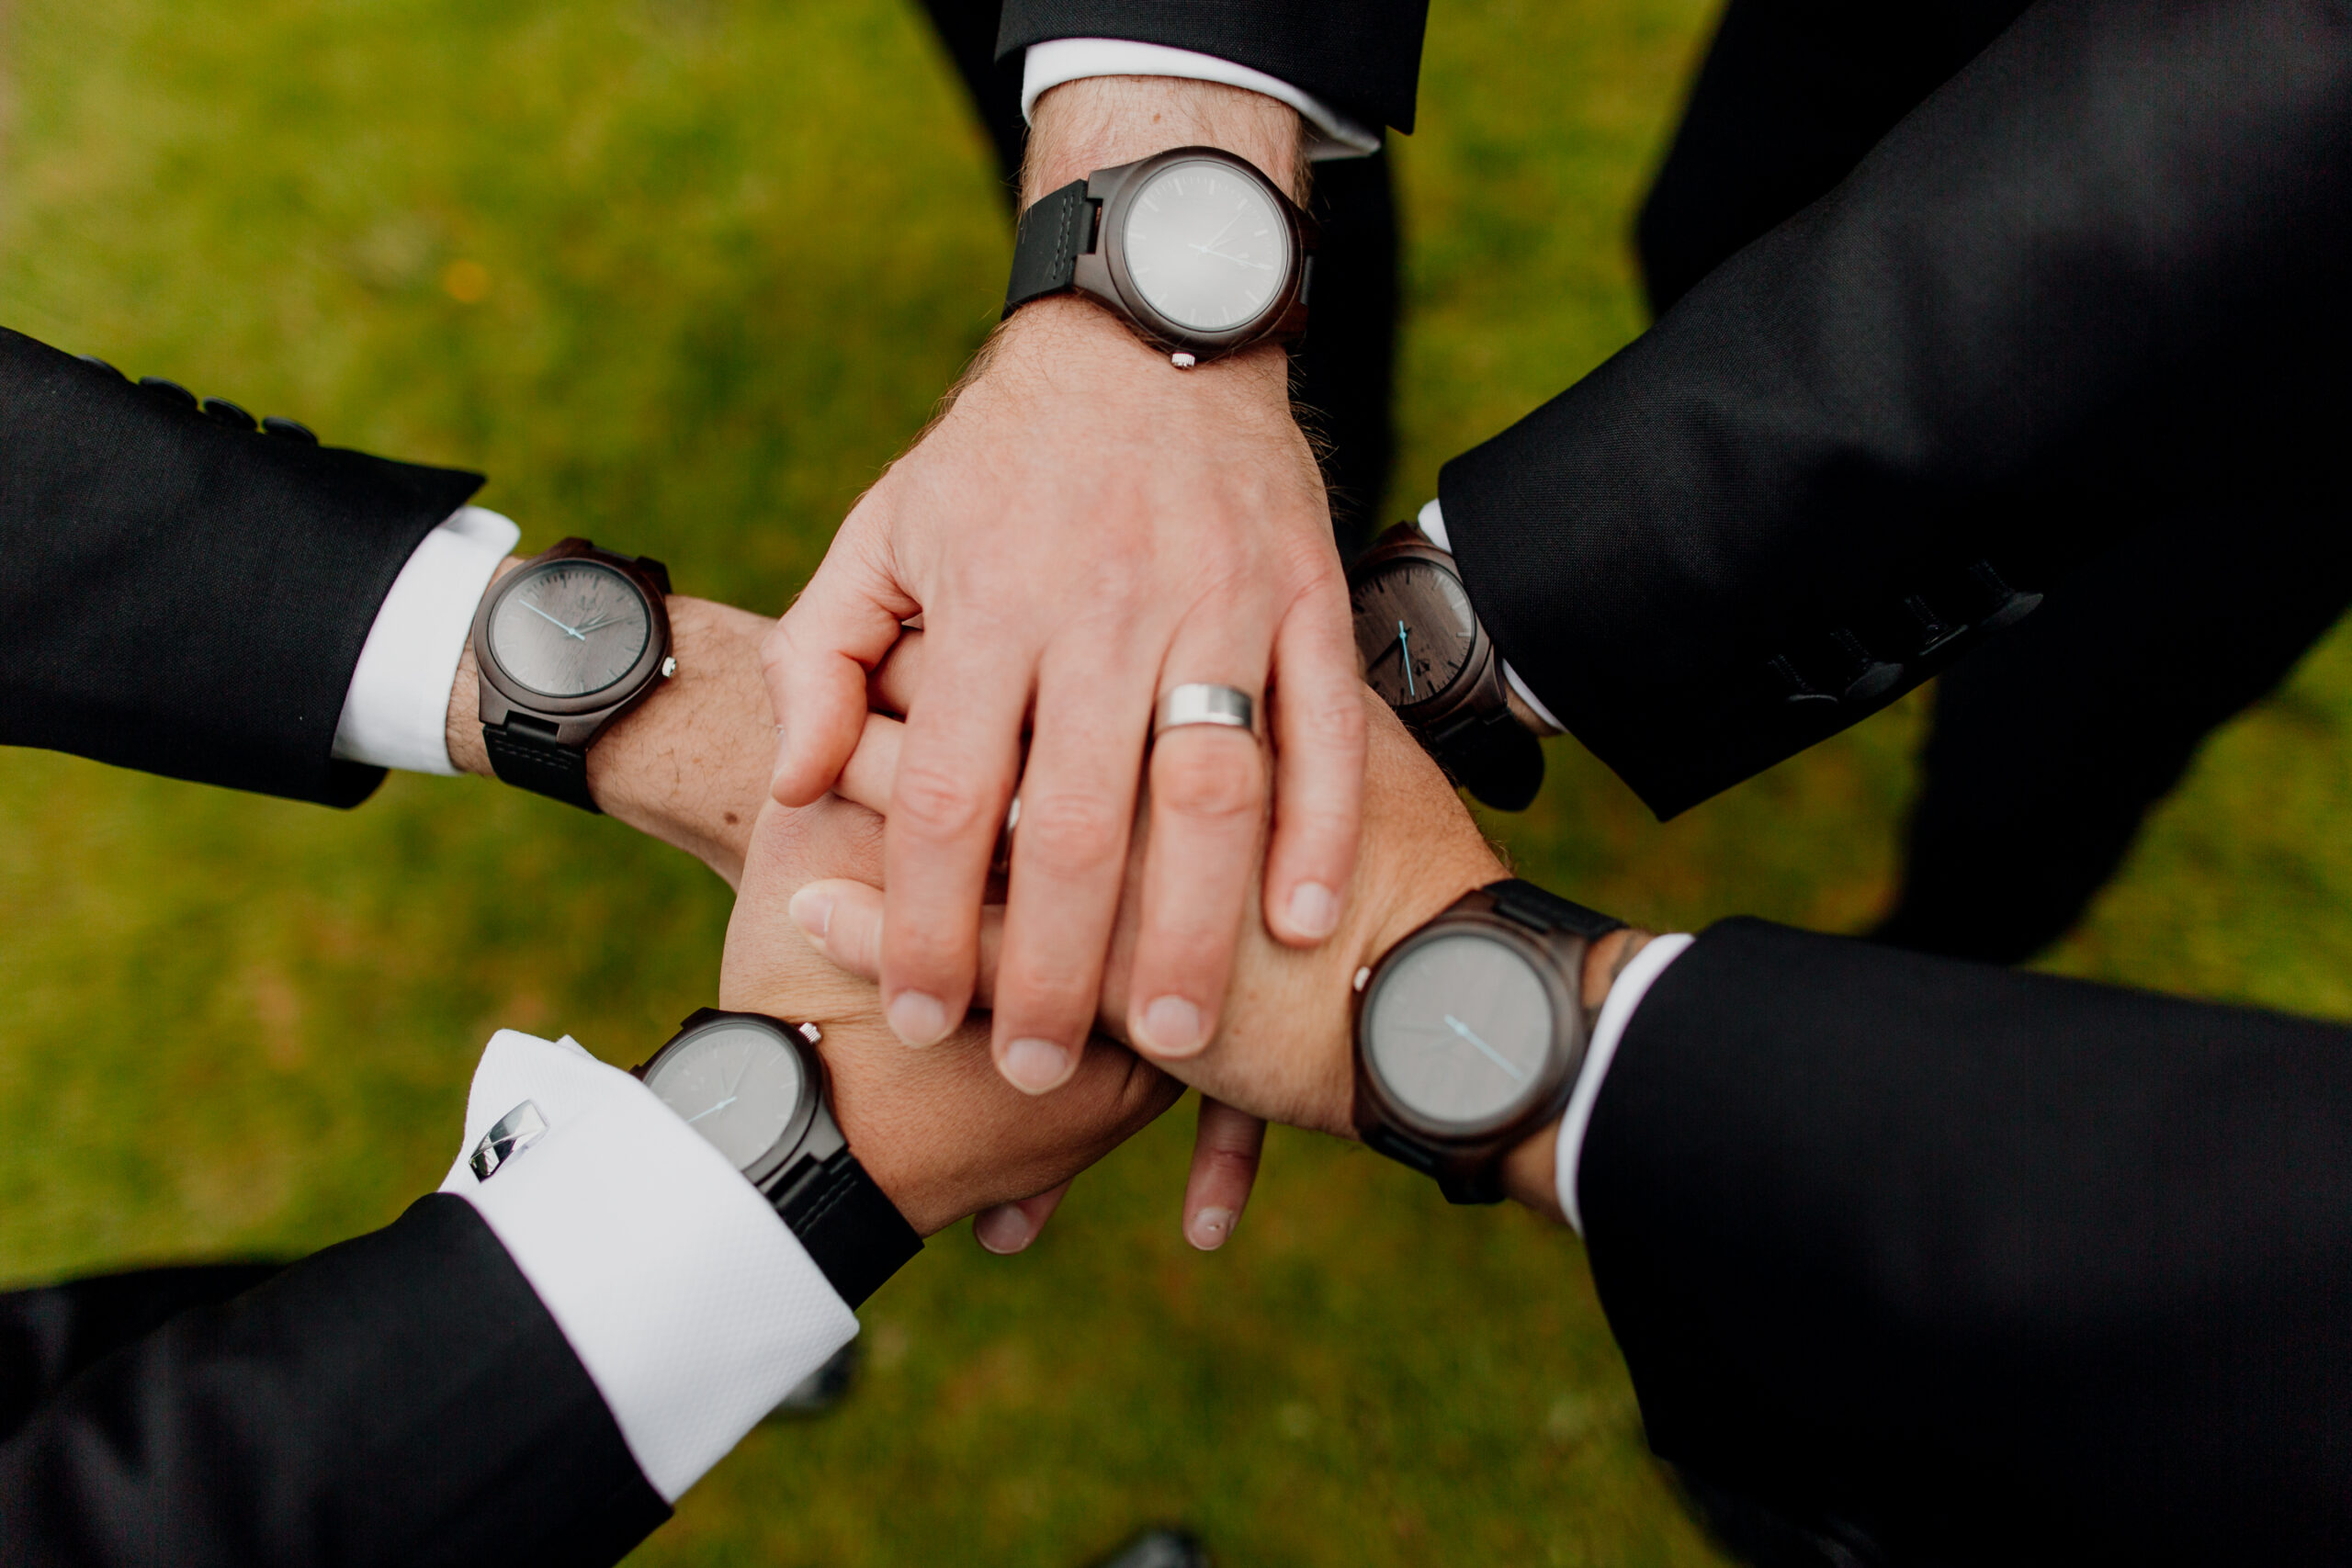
[[1532, 1171], [1103, 121], [1078, 341], [688, 765]]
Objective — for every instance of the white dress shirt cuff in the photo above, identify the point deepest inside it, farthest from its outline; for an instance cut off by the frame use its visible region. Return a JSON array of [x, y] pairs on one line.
[[692, 1306], [1432, 522], [1607, 1031], [395, 714], [1050, 64]]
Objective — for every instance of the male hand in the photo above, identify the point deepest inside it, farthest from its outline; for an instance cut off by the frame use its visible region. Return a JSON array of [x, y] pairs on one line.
[[1285, 1049], [939, 1131], [690, 764], [1084, 528]]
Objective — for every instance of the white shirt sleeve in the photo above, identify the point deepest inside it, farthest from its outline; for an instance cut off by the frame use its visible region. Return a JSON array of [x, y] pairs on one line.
[[395, 714], [1624, 996], [1050, 64], [693, 1307], [1431, 523]]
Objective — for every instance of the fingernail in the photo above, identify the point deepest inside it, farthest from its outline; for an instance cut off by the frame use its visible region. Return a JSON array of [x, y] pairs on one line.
[[1171, 1026], [1003, 1230], [1210, 1227], [1314, 910], [812, 910], [918, 1018], [1033, 1067]]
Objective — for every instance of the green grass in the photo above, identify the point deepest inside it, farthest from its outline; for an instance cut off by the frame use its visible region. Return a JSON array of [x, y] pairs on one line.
[[733, 253]]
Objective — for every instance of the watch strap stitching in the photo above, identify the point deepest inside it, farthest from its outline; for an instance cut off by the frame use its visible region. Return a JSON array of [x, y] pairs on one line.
[[1047, 247], [539, 764]]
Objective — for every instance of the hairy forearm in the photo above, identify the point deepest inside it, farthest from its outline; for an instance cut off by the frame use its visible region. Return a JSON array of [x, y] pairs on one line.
[[1104, 121], [690, 764]]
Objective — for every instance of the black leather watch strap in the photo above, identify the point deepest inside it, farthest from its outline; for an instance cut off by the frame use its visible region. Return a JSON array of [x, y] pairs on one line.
[[537, 763], [1055, 230], [1537, 909], [850, 1226], [1495, 757]]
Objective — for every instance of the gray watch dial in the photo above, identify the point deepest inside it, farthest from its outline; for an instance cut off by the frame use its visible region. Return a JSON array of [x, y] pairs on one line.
[[571, 628], [1205, 246], [1460, 1032], [1415, 631], [737, 1084]]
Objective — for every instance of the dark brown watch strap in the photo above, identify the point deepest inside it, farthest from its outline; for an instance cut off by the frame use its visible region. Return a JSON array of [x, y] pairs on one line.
[[536, 763], [1057, 229]]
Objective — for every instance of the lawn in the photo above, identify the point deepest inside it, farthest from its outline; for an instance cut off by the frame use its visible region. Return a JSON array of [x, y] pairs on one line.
[[680, 274]]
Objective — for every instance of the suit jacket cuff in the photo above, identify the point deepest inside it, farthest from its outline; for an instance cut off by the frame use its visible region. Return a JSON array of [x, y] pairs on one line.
[[692, 1306], [1616, 1016], [1048, 65], [397, 713]]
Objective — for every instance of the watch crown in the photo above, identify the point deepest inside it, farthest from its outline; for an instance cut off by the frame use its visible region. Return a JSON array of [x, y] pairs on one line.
[[1182, 360], [668, 667]]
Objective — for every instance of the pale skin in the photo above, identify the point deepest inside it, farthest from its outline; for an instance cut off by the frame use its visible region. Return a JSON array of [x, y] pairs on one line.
[[1285, 1050], [1081, 529]]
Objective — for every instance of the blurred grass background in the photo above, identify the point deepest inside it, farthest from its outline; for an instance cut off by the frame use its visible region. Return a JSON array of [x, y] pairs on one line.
[[680, 274]]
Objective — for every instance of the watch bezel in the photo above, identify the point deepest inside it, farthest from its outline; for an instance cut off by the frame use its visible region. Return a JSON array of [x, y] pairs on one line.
[[1541, 1098], [633, 682], [1283, 314], [816, 1087]]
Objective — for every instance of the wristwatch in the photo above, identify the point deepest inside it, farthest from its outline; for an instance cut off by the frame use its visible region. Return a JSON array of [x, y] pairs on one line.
[[756, 1089], [1470, 1031], [1195, 249], [1427, 655], [567, 643]]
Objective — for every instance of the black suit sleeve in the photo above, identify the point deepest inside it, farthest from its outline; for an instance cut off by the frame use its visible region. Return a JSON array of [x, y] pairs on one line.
[[2098, 271], [1364, 59], [402, 1399], [183, 596], [1983, 1266]]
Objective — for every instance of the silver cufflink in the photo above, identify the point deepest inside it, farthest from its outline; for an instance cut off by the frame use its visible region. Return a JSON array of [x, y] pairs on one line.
[[512, 1134]]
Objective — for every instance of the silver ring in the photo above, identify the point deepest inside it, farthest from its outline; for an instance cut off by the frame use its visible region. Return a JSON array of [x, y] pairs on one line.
[[1200, 703]]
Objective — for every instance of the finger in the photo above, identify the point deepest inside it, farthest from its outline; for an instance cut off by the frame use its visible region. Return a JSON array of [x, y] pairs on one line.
[[871, 768], [1224, 1167], [1318, 730], [891, 688], [1208, 804], [947, 799], [815, 661], [842, 920], [1069, 857], [1010, 1227]]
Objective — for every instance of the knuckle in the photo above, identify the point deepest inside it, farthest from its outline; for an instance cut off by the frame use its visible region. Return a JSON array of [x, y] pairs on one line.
[[936, 803], [1210, 784], [1068, 834], [1334, 724], [1046, 1000], [1238, 1164]]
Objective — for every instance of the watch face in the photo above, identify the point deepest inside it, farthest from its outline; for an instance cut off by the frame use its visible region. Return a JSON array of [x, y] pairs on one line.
[[1459, 1031], [1415, 630], [571, 628], [1205, 246], [736, 1083]]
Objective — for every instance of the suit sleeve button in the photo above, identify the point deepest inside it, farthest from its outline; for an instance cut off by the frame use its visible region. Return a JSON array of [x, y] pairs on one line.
[[221, 410], [291, 430]]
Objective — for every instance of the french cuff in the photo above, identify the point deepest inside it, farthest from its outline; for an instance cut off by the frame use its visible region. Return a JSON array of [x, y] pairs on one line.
[[395, 714], [690, 1304], [1050, 64], [1624, 996], [1432, 522]]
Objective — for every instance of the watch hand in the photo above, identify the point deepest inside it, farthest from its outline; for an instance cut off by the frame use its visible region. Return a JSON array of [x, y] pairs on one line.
[[1493, 1055], [1237, 261], [721, 1106], [599, 624], [1410, 690], [550, 620], [740, 1072]]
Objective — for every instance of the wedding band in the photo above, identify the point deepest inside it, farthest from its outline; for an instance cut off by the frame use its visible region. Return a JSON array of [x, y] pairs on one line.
[[1002, 859], [1200, 703]]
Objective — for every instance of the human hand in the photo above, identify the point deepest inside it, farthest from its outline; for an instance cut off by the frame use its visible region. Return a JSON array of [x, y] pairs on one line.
[[688, 765], [1084, 528], [939, 1131]]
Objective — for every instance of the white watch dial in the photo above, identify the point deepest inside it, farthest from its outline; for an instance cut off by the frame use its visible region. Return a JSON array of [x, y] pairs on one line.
[[1460, 1030], [1206, 247]]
